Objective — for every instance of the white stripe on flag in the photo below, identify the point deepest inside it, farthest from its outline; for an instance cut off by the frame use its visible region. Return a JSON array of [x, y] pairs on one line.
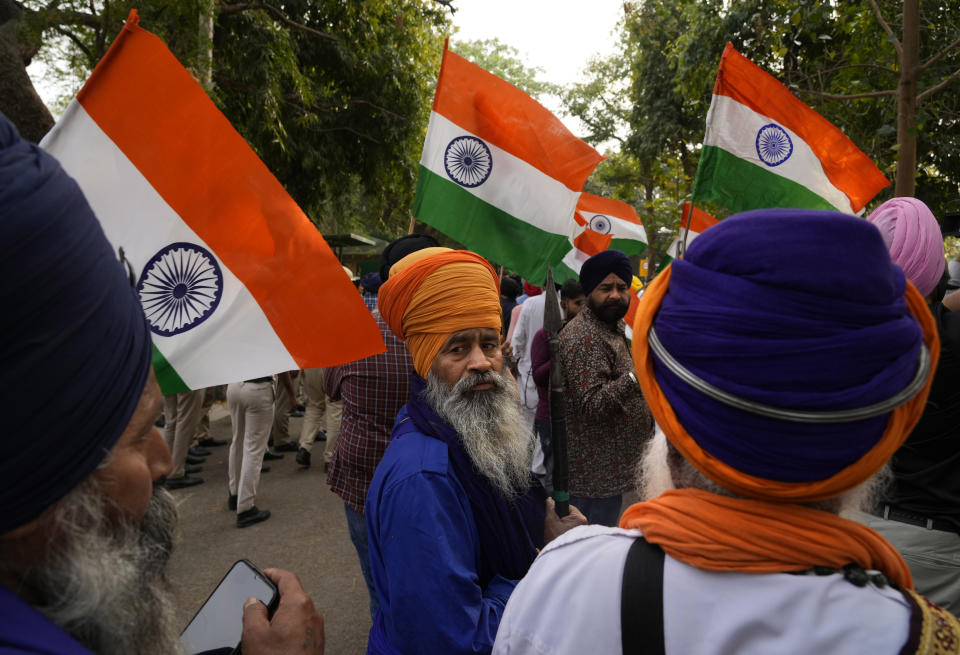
[[734, 127], [514, 186], [237, 336]]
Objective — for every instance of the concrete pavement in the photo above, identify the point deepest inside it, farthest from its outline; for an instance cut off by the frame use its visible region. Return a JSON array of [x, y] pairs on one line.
[[306, 534]]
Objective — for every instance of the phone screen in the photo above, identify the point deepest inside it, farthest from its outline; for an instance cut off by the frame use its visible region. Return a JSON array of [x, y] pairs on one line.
[[217, 627]]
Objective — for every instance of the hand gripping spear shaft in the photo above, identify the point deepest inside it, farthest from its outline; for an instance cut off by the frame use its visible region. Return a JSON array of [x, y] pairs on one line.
[[552, 322]]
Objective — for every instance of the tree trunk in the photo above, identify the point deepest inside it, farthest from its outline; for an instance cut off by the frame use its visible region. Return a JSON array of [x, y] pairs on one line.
[[206, 46], [907, 99], [19, 101]]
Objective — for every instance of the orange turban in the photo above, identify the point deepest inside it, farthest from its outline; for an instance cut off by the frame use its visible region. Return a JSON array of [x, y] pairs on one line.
[[435, 292]]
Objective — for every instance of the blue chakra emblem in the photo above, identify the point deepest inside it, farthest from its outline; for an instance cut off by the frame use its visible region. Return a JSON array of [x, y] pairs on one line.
[[180, 288], [773, 145], [600, 223], [468, 161]]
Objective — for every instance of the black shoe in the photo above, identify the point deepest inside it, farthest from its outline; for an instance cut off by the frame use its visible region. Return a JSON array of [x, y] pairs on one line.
[[161, 421], [232, 502], [191, 459], [297, 413], [181, 482], [303, 457], [301, 407], [251, 516], [269, 455], [196, 451], [321, 435], [192, 468], [210, 442], [289, 447], [264, 468]]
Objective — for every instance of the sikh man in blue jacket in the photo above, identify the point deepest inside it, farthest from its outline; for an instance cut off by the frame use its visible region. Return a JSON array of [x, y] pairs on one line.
[[454, 516]]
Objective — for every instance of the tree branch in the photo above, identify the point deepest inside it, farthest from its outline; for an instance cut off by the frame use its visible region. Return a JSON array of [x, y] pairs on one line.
[[836, 69], [886, 28], [448, 4], [76, 41], [361, 101], [937, 57], [933, 89], [348, 129], [276, 11], [851, 96]]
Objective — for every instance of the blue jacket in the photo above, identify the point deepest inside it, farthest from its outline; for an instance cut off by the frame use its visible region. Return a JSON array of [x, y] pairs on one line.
[[25, 630]]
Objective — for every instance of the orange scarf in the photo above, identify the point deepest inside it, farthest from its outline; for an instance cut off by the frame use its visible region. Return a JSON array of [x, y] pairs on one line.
[[718, 533]]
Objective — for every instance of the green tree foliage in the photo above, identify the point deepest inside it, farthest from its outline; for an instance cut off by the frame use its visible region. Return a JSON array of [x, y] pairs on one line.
[[334, 96], [505, 62]]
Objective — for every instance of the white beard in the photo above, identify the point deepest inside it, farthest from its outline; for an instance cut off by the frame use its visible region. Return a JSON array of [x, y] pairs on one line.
[[106, 583], [490, 425]]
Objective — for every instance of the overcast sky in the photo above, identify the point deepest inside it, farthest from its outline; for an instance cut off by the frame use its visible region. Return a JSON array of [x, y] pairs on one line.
[[559, 36]]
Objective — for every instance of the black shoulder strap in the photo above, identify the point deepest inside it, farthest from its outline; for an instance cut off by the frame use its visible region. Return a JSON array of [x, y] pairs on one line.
[[641, 600]]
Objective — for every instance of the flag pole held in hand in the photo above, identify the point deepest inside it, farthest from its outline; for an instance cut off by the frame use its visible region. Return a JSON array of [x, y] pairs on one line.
[[552, 322]]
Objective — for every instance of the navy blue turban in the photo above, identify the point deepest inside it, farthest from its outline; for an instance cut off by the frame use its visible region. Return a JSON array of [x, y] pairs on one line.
[[795, 309], [71, 315], [596, 269], [371, 282]]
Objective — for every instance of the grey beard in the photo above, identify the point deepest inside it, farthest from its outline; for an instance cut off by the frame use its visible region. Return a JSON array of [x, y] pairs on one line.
[[105, 583], [662, 468], [490, 425]]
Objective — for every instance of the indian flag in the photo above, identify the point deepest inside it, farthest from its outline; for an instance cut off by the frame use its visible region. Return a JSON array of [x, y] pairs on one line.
[[601, 224], [235, 281], [765, 148], [693, 221], [499, 173]]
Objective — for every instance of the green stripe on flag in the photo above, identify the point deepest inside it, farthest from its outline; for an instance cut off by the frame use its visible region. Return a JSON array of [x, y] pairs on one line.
[[740, 185], [628, 246], [168, 379], [488, 231]]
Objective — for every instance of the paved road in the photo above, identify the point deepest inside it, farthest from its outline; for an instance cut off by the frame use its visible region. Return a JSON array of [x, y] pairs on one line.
[[307, 534]]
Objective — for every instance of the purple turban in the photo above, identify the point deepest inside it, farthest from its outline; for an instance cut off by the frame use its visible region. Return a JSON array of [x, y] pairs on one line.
[[794, 309], [71, 312], [597, 268], [912, 236]]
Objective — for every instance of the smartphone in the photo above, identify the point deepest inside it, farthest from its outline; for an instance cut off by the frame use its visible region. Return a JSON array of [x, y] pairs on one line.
[[216, 628]]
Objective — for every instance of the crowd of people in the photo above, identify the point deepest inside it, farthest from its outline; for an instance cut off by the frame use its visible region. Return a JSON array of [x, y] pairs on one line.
[[785, 416]]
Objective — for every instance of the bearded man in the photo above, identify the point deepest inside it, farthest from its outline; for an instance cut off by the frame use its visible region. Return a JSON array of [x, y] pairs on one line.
[[607, 418], [453, 514], [785, 360], [87, 529]]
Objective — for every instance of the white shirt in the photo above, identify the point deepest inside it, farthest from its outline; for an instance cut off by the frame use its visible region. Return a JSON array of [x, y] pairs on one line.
[[569, 603]]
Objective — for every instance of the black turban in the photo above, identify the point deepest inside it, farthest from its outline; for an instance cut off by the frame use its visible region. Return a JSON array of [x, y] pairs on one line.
[[598, 267], [371, 282], [400, 248], [72, 313]]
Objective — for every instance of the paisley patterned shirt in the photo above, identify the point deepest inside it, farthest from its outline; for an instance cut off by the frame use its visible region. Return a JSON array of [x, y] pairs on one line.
[[608, 422]]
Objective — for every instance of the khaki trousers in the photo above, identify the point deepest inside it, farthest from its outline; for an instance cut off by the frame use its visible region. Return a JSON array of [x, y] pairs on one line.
[[182, 413], [313, 414], [203, 430], [334, 412], [251, 412], [280, 432]]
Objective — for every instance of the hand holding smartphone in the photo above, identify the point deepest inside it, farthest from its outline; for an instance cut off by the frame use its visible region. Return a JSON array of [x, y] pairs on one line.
[[217, 627]]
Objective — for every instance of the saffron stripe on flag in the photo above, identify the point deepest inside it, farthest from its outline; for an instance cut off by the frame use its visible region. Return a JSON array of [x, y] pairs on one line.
[[740, 185], [463, 216], [501, 114], [116, 190], [188, 150], [746, 83], [733, 127]]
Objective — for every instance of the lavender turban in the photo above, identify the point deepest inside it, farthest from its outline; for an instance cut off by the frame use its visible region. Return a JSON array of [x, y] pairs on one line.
[[912, 235], [69, 312]]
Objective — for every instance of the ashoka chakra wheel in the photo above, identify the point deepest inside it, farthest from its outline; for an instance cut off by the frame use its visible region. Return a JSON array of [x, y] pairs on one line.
[[773, 145], [468, 161], [179, 288]]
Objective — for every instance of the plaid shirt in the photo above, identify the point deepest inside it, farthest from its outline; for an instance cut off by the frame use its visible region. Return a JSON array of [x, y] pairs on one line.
[[373, 390]]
